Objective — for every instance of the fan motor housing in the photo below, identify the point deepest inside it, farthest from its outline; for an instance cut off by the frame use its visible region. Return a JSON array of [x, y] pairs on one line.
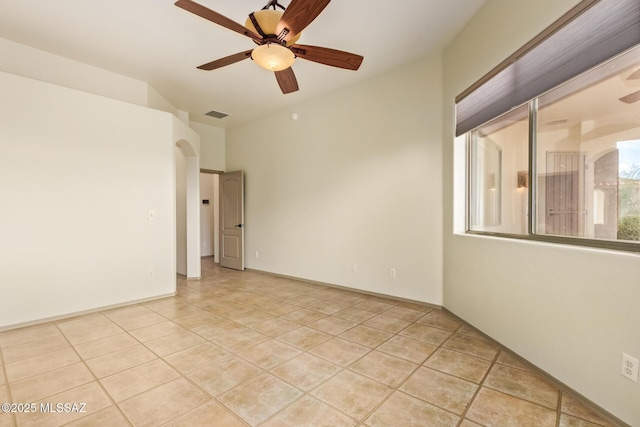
[[268, 21]]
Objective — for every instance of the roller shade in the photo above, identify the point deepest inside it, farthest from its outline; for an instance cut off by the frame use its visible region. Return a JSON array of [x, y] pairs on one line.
[[589, 34]]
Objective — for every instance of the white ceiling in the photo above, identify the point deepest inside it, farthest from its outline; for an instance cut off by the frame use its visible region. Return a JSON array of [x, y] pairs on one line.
[[157, 42]]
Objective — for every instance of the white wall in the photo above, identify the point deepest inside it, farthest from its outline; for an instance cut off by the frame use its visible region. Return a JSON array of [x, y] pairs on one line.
[[26, 61], [16, 58], [353, 184], [78, 175], [157, 101], [188, 142], [570, 311], [212, 146]]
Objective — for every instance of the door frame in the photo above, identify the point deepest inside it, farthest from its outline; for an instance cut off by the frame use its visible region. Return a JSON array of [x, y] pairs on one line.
[[216, 215]]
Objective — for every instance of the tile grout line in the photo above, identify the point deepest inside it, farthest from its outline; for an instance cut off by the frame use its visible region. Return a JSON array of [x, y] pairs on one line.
[[438, 347], [181, 375], [237, 355], [500, 348], [94, 377], [304, 351], [309, 393], [115, 404], [524, 399], [452, 333], [559, 410], [213, 398], [206, 393], [268, 371], [481, 384], [371, 349], [419, 365], [252, 288], [6, 387]]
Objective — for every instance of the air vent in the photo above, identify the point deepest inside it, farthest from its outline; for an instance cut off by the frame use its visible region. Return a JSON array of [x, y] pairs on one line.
[[216, 114]]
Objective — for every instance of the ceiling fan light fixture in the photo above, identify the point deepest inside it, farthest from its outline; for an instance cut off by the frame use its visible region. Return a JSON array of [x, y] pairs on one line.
[[276, 34], [268, 21], [273, 57]]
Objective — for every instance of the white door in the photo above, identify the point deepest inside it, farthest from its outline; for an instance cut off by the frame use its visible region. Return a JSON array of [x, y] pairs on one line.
[[232, 220]]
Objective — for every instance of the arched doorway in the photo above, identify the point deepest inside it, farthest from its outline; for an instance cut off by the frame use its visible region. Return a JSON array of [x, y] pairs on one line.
[[187, 209]]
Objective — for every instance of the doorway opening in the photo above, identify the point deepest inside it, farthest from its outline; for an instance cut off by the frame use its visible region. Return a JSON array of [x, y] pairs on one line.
[[210, 214]]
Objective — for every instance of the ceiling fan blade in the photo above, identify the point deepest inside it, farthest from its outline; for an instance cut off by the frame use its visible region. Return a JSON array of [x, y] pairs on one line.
[[631, 98], [635, 75], [297, 16], [227, 60], [216, 18], [326, 56], [287, 80]]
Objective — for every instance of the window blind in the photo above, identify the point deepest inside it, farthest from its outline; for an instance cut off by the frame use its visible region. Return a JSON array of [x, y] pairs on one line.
[[590, 33]]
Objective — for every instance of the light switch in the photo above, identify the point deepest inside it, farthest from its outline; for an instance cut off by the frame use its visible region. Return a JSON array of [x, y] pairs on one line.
[[152, 215]]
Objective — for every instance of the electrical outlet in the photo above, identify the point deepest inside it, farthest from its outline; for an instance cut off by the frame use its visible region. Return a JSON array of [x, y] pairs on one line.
[[392, 273], [151, 272], [630, 367]]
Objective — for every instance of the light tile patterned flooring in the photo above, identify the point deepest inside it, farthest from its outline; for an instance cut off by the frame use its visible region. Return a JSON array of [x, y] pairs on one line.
[[245, 348]]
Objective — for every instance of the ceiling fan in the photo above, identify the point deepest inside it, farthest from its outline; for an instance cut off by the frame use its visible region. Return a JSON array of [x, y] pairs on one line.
[[634, 96], [276, 34]]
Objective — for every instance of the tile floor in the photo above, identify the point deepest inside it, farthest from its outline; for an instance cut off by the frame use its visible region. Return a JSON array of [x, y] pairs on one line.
[[245, 348]]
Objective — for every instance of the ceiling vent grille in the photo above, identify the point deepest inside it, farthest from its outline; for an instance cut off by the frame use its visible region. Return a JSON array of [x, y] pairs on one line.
[[216, 114]]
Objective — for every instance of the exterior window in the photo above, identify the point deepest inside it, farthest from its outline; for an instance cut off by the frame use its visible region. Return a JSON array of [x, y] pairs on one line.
[[553, 133], [585, 140], [588, 154], [497, 153]]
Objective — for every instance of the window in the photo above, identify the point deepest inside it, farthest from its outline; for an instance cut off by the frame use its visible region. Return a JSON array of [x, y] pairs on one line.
[[585, 140], [553, 134], [498, 151], [588, 154]]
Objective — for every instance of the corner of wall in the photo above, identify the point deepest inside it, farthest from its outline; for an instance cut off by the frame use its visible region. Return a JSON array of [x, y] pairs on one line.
[[212, 146]]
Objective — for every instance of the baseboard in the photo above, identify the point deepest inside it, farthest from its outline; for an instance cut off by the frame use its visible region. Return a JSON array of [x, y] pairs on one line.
[[83, 312], [347, 288]]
